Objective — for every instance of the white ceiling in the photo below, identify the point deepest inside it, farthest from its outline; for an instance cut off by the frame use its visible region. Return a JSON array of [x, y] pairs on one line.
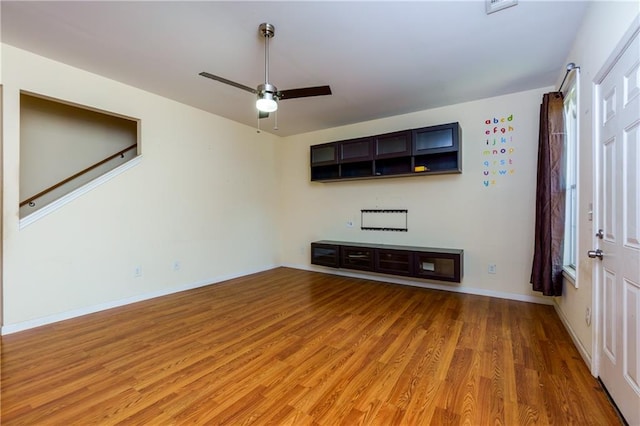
[[380, 58]]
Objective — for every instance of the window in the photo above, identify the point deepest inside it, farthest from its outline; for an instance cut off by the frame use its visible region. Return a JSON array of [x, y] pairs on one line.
[[571, 173]]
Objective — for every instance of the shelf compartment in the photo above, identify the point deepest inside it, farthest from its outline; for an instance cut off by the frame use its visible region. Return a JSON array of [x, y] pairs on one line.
[[325, 172], [359, 169], [444, 162], [393, 166]]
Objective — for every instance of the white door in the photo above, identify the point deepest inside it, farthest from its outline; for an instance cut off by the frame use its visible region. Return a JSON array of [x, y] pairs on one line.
[[618, 216]]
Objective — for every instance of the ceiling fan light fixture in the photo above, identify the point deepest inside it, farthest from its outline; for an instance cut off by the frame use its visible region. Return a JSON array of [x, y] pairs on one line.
[[267, 99]]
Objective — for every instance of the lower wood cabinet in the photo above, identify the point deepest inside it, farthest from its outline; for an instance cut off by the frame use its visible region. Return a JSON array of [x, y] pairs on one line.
[[420, 262]]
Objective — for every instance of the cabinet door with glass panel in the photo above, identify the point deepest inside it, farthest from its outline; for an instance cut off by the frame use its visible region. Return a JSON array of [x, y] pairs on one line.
[[439, 266], [325, 254], [396, 262], [324, 161], [356, 258]]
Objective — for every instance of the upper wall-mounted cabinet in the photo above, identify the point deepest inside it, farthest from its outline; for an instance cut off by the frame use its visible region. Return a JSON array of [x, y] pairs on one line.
[[427, 150]]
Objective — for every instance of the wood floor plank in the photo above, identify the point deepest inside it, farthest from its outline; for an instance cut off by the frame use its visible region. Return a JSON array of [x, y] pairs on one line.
[[302, 348]]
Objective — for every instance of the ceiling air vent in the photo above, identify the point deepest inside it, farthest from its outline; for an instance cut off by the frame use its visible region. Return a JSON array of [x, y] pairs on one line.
[[496, 5]]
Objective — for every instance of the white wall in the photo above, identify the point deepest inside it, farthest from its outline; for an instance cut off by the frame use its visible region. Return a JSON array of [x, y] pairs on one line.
[[604, 25], [494, 224], [204, 194]]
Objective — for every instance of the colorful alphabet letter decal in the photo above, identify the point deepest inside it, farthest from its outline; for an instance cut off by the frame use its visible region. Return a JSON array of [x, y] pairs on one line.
[[497, 149]]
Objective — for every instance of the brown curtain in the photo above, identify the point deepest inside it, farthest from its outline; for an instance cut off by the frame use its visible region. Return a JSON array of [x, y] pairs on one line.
[[546, 273]]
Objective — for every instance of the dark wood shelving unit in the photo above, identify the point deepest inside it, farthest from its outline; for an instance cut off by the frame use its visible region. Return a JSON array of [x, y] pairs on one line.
[[413, 152], [419, 262]]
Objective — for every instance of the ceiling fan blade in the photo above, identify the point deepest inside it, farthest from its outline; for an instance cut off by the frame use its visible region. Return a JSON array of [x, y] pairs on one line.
[[304, 93], [262, 114], [229, 82]]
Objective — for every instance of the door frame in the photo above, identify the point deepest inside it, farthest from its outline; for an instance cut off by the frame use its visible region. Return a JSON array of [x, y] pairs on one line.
[[608, 65], [1, 210]]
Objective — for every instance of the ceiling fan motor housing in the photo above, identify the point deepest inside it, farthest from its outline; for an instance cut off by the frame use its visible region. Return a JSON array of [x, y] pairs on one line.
[[267, 88]]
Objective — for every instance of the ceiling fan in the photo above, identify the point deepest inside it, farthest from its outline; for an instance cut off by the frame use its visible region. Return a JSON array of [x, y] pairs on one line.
[[268, 95]]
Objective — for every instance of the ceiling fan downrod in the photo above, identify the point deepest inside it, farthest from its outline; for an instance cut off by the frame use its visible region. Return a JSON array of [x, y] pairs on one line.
[[267, 31], [267, 93]]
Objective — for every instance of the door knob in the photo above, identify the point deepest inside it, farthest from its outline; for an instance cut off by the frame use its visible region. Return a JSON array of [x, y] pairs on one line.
[[600, 234], [595, 253]]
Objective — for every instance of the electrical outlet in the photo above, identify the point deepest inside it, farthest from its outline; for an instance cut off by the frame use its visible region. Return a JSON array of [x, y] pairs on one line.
[[177, 265], [587, 316], [492, 269], [137, 271]]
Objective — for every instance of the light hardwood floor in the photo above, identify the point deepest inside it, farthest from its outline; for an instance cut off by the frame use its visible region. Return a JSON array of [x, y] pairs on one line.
[[295, 347]]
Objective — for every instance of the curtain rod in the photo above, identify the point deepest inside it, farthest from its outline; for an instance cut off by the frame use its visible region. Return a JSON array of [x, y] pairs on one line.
[[570, 67]]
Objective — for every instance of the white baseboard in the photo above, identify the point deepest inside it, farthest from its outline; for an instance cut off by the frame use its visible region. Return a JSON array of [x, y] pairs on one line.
[[37, 322], [451, 287], [586, 357]]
